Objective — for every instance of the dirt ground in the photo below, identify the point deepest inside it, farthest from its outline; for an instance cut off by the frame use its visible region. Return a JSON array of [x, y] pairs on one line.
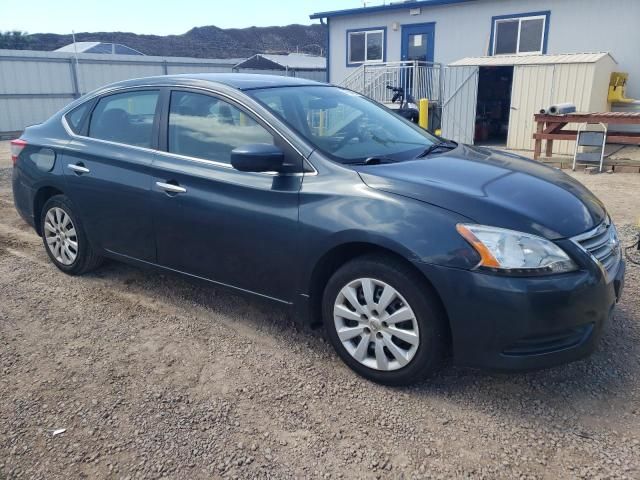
[[153, 376]]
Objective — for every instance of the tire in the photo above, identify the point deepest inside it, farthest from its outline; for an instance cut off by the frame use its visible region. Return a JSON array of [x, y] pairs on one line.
[[427, 325], [74, 260]]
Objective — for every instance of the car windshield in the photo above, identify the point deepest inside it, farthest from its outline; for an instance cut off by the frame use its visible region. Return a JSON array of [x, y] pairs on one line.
[[345, 125]]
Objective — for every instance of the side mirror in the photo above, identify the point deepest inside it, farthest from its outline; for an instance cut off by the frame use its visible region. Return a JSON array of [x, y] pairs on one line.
[[257, 157]]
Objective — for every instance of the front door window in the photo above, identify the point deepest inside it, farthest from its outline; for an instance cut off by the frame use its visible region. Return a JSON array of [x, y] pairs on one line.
[[417, 47], [206, 127]]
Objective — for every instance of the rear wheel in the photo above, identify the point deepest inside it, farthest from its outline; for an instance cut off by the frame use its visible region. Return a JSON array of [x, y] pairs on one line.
[[384, 321], [64, 238]]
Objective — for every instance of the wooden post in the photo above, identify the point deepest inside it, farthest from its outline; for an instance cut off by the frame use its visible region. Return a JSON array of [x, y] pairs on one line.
[[549, 150], [538, 143]]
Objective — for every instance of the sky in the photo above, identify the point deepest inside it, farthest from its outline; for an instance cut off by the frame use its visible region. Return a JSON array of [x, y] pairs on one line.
[[159, 17]]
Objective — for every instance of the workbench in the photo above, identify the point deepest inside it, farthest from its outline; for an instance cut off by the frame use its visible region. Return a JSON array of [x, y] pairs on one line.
[[551, 127]]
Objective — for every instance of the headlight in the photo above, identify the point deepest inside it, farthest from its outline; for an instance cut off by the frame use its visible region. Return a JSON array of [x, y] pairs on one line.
[[516, 253]]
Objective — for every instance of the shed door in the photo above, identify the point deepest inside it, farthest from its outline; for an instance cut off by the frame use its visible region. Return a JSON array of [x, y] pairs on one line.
[[532, 91], [460, 99]]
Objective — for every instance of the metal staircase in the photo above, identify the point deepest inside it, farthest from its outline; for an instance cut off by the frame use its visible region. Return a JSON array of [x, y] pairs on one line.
[[420, 79]]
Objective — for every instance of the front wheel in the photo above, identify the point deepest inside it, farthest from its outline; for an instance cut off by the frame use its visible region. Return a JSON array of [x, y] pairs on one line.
[[384, 321]]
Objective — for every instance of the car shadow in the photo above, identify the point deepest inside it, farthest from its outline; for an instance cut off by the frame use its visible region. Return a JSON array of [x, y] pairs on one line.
[[601, 383], [587, 385]]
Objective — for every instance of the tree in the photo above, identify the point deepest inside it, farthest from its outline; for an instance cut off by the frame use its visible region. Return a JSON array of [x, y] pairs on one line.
[[15, 40]]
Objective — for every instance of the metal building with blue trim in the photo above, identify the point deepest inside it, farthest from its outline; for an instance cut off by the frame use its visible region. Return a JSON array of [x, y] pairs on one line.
[[444, 31], [420, 45]]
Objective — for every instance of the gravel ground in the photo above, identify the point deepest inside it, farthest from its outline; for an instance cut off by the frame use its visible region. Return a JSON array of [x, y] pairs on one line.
[[153, 376]]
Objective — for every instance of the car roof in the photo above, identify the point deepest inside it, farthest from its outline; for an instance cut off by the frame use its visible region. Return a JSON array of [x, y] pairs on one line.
[[240, 81]]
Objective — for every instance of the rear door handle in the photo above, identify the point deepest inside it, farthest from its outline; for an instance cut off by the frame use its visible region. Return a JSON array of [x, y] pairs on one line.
[[171, 188], [78, 168]]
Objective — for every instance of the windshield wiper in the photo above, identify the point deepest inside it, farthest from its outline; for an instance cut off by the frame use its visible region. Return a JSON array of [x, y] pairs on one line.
[[448, 144], [373, 161]]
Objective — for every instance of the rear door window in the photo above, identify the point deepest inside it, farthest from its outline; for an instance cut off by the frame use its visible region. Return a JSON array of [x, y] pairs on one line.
[[206, 127], [125, 118]]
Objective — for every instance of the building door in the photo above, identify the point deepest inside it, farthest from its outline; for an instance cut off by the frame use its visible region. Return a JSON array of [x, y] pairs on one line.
[[417, 46], [417, 42]]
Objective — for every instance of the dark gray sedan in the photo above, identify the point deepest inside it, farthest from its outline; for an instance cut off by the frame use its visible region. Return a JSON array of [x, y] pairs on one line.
[[406, 246]]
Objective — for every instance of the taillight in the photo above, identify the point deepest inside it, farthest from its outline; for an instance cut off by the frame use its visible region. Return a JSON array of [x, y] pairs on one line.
[[16, 148]]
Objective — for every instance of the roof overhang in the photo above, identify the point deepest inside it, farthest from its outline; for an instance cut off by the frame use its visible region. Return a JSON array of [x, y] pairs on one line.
[[384, 8]]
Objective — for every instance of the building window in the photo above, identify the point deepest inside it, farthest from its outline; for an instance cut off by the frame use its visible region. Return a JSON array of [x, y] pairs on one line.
[[524, 34], [365, 46]]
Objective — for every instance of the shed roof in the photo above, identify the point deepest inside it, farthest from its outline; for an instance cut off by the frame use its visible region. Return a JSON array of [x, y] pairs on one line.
[[99, 47], [499, 60], [294, 61]]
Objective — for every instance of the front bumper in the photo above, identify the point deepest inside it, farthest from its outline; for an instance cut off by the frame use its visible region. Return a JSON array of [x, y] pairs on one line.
[[509, 323]]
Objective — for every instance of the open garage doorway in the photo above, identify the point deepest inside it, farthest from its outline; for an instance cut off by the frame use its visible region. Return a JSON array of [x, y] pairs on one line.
[[494, 105]]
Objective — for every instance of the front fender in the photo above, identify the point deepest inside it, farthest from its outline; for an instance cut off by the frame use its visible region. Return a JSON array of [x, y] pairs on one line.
[[350, 212]]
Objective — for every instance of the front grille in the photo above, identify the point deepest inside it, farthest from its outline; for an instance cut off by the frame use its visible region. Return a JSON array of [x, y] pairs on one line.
[[603, 245]]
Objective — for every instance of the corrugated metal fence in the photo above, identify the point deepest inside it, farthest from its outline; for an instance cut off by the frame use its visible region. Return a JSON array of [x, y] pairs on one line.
[[34, 85]]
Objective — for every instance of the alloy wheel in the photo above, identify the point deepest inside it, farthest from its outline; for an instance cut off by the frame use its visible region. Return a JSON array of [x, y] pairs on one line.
[[61, 237], [375, 324]]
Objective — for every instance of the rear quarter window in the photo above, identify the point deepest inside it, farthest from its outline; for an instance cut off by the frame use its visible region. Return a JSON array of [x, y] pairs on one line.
[[75, 118]]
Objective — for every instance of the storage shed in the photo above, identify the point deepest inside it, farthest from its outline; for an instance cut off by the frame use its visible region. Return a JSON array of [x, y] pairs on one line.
[[492, 100]]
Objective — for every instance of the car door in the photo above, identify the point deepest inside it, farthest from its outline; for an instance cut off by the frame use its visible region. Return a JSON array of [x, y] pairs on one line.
[[107, 171], [212, 221]]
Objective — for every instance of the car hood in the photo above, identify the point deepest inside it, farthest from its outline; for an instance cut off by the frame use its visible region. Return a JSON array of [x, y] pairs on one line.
[[494, 188]]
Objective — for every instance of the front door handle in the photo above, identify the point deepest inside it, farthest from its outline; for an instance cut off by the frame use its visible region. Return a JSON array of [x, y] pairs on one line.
[[79, 169], [171, 188]]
